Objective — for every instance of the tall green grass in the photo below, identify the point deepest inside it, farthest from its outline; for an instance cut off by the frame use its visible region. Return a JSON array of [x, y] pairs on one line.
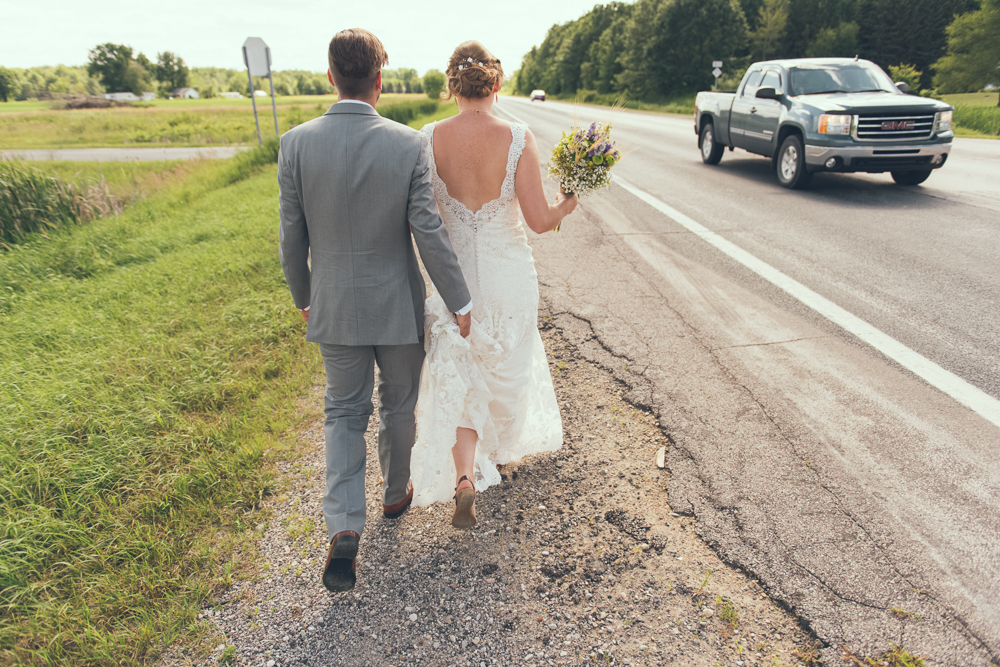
[[982, 119], [150, 360], [33, 202], [36, 201], [407, 112]]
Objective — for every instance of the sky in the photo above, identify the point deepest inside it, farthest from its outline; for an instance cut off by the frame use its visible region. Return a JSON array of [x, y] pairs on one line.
[[209, 33]]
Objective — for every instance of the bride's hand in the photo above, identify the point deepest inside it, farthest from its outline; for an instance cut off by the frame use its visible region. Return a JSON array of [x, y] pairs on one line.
[[567, 203]]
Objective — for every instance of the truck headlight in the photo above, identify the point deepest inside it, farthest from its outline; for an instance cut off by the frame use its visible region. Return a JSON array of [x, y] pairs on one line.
[[943, 121], [834, 124]]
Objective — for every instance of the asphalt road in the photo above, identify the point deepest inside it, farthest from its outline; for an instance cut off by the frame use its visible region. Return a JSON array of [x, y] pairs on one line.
[[837, 460]]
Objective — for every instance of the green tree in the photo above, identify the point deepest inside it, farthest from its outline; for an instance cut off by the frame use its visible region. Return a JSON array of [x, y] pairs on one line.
[[117, 70], [908, 31], [171, 72], [807, 19], [434, 82], [771, 22], [670, 44], [838, 42], [908, 74], [8, 84], [110, 63], [973, 51]]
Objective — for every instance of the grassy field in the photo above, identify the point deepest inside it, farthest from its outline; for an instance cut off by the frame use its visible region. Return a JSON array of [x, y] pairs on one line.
[[971, 99], [166, 122], [150, 369]]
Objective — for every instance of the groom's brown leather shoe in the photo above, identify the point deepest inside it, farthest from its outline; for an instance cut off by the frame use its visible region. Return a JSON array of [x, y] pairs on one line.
[[340, 571], [396, 510]]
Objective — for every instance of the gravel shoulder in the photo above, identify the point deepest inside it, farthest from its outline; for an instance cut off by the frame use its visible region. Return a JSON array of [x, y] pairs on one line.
[[578, 559]]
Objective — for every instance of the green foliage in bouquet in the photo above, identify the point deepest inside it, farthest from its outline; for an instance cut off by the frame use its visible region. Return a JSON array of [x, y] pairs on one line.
[[582, 159]]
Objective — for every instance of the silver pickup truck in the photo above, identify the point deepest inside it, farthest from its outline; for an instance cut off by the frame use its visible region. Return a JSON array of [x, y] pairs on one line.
[[826, 114]]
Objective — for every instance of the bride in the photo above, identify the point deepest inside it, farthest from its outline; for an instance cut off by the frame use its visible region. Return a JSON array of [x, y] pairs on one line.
[[487, 398]]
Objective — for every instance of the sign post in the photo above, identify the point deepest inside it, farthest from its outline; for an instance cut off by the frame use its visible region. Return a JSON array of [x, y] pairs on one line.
[[716, 72], [257, 58]]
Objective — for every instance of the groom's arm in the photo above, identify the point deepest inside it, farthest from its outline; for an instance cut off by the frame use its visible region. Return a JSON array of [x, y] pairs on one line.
[[293, 236], [432, 237]]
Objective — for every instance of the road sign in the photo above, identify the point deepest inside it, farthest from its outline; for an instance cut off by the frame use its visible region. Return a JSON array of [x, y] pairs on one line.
[[716, 63], [257, 58], [716, 72]]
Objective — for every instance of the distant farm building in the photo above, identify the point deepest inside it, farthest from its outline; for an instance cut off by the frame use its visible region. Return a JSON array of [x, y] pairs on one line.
[[231, 95], [185, 94], [260, 93], [129, 97]]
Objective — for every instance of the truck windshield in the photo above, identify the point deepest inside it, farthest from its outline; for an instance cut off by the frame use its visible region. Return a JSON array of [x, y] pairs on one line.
[[854, 78]]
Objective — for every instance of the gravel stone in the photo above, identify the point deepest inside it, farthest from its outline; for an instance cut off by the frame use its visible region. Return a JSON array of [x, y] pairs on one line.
[[576, 558]]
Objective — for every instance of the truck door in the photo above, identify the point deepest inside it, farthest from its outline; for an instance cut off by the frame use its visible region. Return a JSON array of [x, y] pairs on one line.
[[742, 103], [762, 120]]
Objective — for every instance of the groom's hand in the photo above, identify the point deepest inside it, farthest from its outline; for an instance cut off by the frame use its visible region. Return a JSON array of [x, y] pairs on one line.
[[305, 314], [464, 324]]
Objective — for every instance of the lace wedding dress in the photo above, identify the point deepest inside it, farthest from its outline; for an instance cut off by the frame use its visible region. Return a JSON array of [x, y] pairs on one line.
[[497, 380]]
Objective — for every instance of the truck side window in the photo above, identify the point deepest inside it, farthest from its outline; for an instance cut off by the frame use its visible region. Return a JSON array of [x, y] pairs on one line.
[[750, 87], [771, 80]]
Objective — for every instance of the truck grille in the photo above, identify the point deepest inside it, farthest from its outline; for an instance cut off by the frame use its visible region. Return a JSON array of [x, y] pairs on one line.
[[902, 127]]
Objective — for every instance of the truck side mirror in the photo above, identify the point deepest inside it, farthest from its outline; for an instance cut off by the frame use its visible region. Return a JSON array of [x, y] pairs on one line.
[[903, 86], [767, 93]]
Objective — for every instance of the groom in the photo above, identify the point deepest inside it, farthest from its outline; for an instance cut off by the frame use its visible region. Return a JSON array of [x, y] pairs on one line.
[[354, 186]]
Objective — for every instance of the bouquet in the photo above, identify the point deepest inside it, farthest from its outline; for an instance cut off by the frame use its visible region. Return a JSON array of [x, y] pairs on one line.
[[582, 160]]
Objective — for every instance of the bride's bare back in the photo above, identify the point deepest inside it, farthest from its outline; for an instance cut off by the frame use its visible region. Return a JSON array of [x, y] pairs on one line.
[[470, 151]]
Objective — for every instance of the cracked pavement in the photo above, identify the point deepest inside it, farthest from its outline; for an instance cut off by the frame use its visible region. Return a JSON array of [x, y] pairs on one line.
[[862, 498]]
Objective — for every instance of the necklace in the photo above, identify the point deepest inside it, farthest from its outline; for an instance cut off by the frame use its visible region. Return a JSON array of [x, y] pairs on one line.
[[474, 112]]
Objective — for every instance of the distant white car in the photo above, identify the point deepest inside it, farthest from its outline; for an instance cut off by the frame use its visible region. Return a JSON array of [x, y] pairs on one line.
[[538, 95]]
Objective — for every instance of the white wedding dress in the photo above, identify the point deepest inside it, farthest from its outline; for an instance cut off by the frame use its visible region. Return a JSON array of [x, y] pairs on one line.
[[497, 380]]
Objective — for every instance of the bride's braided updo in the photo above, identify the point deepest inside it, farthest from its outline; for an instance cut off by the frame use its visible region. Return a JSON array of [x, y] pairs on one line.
[[472, 71]]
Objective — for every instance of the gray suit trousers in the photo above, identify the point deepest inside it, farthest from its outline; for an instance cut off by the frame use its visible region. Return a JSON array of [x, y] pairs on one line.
[[350, 379]]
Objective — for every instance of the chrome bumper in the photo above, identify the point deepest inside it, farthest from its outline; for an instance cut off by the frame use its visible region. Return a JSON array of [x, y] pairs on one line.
[[877, 158]]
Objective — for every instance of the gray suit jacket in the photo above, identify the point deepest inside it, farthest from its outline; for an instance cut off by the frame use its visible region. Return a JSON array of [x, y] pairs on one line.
[[353, 186]]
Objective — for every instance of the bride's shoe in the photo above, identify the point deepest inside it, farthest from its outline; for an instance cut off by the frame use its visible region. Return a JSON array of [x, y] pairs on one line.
[[465, 506]]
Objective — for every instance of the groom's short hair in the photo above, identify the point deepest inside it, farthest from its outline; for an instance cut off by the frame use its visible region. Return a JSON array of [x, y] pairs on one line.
[[356, 57]]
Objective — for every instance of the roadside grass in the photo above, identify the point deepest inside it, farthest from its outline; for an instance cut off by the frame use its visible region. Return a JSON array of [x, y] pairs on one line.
[[983, 120], [167, 122], [33, 202], [971, 99], [150, 365], [445, 110]]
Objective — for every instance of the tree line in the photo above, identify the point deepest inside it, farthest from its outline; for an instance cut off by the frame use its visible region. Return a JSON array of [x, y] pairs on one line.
[[113, 68], [658, 49]]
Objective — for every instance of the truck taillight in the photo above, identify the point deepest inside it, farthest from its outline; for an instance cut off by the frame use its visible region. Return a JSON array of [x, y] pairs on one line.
[[834, 124]]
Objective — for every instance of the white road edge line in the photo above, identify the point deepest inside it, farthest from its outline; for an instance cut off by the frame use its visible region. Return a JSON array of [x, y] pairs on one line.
[[516, 119], [972, 397]]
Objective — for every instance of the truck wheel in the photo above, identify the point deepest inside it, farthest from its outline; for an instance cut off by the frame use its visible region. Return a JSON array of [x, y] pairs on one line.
[[711, 152], [910, 177], [791, 164]]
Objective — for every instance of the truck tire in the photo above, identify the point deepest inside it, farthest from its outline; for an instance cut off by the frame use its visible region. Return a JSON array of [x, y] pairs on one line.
[[711, 151], [791, 164], [910, 177]]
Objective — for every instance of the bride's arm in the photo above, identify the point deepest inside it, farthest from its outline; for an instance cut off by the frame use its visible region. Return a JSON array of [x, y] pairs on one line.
[[538, 213]]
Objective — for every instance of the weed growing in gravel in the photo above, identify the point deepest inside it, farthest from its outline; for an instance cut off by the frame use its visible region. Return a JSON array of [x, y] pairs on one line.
[[729, 614], [896, 656]]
